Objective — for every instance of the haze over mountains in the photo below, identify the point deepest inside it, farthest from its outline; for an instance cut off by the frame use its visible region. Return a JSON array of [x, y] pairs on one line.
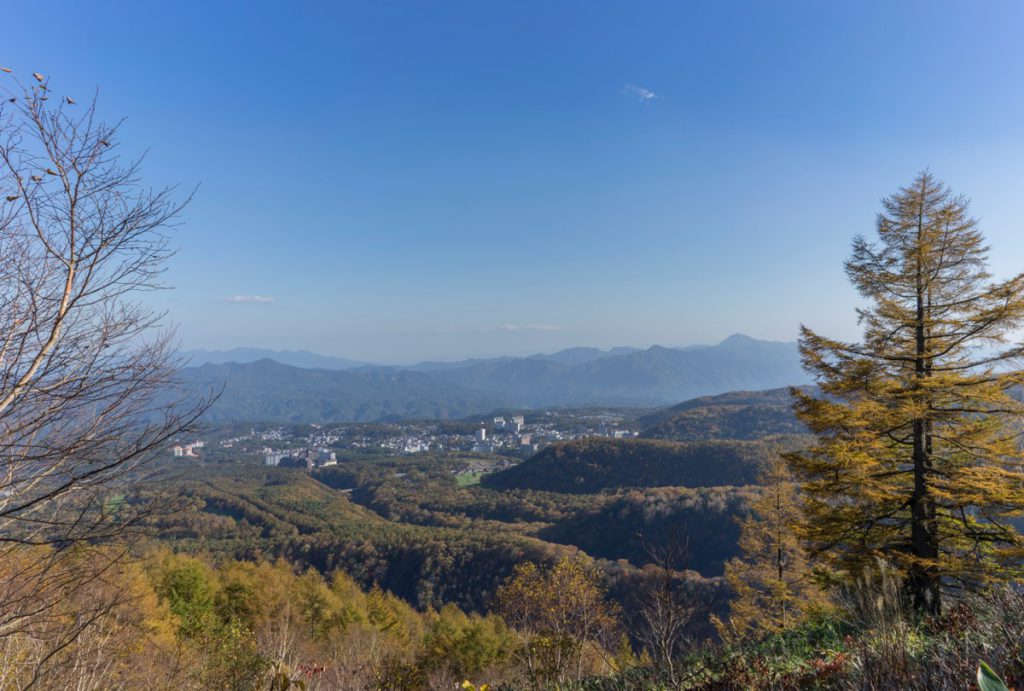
[[297, 386], [295, 358], [307, 359]]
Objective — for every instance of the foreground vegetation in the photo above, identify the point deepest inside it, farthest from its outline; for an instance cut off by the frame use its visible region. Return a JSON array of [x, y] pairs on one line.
[[178, 621], [874, 645], [161, 620]]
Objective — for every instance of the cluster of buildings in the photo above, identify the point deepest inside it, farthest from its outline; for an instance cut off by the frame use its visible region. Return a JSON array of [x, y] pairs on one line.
[[605, 431], [515, 424], [265, 435], [499, 440], [509, 436], [514, 436], [187, 450], [505, 437], [309, 458]]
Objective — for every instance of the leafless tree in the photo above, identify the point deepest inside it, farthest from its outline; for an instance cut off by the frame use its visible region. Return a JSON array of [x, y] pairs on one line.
[[667, 602], [85, 367]]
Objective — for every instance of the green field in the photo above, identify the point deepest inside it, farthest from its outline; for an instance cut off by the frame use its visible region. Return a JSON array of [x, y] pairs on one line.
[[468, 479]]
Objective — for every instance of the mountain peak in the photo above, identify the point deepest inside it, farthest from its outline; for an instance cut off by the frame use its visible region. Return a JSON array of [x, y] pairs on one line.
[[293, 358], [738, 339]]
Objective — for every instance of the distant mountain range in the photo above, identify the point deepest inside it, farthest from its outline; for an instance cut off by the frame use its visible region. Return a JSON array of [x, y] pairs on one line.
[[308, 360], [295, 358], [300, 386], [268, 391]]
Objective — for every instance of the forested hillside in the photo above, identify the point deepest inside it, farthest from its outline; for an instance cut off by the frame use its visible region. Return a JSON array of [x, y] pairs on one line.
[[734, 415], [629, 525], [285, 513], [596, 464]]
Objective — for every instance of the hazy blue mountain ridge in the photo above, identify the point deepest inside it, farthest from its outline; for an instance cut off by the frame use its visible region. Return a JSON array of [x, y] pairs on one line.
[[271, 391], [294, 358]]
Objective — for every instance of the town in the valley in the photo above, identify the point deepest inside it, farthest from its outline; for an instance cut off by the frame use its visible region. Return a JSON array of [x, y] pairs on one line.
[[497, 441]]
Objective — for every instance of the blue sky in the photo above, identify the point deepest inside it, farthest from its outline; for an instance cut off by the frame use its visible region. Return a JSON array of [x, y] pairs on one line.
[[414, 180]]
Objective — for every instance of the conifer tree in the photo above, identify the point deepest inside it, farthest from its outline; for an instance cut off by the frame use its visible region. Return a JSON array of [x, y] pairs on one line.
[[917, 459], [773, 588]]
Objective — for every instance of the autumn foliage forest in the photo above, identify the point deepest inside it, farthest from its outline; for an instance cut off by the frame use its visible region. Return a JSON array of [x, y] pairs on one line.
[[862, 533]]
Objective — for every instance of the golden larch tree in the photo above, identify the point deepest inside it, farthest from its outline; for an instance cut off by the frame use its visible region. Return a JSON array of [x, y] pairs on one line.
[[917, 460], [773, 587]]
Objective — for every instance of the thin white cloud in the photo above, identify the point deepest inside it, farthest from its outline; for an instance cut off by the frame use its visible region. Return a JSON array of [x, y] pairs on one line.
[[250, 299], [450, 328], [640, 92], [526, 327], [453, 328]]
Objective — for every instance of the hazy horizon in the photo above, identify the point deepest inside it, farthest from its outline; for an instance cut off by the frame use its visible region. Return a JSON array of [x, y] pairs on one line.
[[393, 182], [414, 361]]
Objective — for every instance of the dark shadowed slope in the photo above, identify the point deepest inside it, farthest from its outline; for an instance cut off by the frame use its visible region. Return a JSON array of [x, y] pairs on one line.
[[598, 463], [628, 524]]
